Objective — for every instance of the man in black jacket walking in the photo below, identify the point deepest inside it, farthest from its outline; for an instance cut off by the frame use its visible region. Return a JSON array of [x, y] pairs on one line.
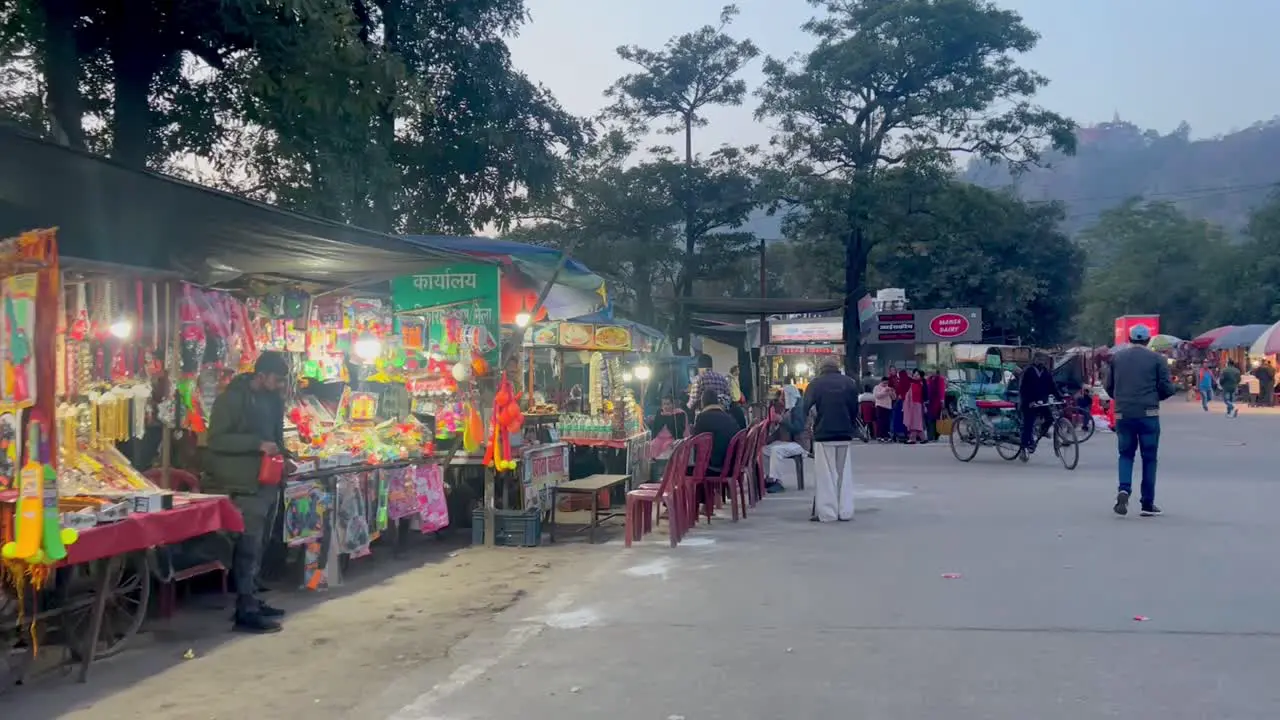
[[834, 398]]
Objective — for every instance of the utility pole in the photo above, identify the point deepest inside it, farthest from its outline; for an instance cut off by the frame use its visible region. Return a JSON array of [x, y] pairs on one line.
[[762, 368]]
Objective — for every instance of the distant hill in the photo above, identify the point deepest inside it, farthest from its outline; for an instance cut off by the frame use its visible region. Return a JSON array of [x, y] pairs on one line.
[[1220, 178]]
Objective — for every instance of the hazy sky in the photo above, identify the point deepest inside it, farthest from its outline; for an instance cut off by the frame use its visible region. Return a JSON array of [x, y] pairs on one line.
[[1157, 62]]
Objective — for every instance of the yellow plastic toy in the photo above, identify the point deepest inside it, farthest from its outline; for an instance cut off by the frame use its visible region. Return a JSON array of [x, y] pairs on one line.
[[39, 537]]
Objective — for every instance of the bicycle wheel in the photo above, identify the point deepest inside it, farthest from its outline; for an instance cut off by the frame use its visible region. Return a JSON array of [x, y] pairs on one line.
[[1087, 427], [1065, 444], [1009, 446], [965, 439]]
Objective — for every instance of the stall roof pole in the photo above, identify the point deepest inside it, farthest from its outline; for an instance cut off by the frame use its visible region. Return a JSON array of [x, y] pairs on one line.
[[170, 356]]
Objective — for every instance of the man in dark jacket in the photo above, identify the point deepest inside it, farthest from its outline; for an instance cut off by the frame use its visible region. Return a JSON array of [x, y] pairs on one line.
[[833, 397], [248, 423], [1036, 386], [1138, 382]]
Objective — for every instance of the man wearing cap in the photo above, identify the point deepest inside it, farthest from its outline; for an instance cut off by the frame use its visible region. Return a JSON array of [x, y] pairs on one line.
[[834, 398], [1138, 382], [248, 423]]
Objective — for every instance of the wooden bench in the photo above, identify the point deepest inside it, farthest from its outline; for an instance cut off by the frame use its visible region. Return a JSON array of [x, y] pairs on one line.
[[591, 486]]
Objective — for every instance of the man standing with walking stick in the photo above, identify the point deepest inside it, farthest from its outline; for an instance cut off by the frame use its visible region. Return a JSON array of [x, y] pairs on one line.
[[1138, 382]]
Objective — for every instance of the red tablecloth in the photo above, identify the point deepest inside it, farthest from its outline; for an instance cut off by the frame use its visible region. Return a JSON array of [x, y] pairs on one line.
[[144, 530]]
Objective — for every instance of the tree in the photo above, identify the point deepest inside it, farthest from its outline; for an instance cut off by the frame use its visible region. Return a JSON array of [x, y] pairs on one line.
[[970, 247], [692, 72], [1150, 258], [898, 84], [620, 221]]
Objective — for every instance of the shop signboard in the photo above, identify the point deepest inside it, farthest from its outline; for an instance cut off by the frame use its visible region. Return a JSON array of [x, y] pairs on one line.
[[779, 350], [542, 468], [1126, 323], [926, 326], [466, 291], [817, 330]]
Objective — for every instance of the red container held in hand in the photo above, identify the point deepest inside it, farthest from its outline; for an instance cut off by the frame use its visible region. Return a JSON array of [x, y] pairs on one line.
[[271, 471]]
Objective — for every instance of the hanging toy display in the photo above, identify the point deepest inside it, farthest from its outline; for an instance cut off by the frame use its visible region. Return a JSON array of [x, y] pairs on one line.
[[191, 333], [506, 419]]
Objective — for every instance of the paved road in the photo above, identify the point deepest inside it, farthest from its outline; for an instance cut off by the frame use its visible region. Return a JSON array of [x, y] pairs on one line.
[[781, 618]]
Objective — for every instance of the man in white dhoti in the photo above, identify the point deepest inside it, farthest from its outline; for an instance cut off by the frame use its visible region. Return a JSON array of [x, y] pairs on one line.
[[833, 398]]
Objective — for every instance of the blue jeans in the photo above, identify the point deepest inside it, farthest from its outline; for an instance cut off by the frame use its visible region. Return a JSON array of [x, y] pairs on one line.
[[1229, 397], [1206, 394], [1132, 435]]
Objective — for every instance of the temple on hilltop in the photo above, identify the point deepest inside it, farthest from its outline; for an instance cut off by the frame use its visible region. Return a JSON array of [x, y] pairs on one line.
[[1115, 132]]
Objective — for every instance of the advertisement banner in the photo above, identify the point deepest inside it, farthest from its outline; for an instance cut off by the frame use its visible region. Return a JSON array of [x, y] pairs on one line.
[[818, 330], [1126, 323], [541, 469], [923, 327]]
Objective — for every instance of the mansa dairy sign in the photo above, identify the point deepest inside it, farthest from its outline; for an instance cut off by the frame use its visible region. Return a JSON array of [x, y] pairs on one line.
[[944, 325], [949, 325]]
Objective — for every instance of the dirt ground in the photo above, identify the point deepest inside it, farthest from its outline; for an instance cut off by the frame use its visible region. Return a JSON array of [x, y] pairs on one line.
[[337, 648]]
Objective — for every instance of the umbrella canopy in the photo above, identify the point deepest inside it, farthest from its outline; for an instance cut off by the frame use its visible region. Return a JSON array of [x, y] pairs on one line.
[[1205, 339], [1241, 336], [1164, 342], [1268, 343]]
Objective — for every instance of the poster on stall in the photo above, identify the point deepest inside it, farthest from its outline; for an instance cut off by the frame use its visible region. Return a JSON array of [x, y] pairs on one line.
[[18, 340], [402, 495], [305, 505], [10, 446], [428, 483], [351, 527], [542, 468]]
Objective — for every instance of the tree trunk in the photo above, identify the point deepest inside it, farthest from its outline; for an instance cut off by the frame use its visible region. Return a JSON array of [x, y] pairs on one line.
[[855, 286], [383, 188], [61, 59], [135, 57], [642, 275], [684, 316]]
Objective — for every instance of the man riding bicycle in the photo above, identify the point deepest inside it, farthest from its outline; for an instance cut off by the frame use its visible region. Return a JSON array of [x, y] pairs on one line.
[[1034, 390]]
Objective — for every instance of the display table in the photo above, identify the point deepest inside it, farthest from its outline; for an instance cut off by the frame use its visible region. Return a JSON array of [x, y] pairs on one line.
[[146, 530]]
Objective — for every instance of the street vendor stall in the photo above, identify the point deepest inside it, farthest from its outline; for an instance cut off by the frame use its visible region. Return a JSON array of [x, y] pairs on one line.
[[75, 516]]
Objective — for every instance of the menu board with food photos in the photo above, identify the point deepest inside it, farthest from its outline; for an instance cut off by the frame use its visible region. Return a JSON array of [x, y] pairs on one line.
[[581, 336]]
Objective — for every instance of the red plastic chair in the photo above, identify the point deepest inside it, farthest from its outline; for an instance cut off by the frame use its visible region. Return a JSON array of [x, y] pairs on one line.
[[752, 469], [697, 475], [730, 477], [645, 501]]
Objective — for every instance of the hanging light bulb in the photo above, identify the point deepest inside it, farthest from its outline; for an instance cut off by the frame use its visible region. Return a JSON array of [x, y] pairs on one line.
[[121, 328], [368, 348], [643, 372]]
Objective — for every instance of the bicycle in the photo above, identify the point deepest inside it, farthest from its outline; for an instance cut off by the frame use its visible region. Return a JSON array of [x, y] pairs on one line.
[[998, 424], [1081, 419]]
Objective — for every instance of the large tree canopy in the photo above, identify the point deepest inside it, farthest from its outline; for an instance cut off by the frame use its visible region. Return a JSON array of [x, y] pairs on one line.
[[394, 114], [898, 84]]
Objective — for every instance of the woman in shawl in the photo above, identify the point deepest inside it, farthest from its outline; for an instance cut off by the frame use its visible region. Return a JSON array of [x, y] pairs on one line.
[[913, 403], [901, 383]]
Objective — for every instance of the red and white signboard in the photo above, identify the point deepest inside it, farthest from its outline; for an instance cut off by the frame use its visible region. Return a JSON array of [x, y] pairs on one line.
[[949, 325]]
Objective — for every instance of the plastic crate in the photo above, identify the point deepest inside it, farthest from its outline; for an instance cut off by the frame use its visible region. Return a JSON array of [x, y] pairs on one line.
[[513, 528]]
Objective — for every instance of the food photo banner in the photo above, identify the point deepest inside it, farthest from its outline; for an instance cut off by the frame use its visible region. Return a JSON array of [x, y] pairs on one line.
[[581, 336]]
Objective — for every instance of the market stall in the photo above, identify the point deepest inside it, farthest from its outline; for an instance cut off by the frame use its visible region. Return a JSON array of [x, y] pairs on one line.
[[604, 373], [75, 515]]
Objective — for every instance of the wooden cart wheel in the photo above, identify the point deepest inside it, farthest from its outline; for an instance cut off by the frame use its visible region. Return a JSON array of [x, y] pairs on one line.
[[16, 646], [126, 608]]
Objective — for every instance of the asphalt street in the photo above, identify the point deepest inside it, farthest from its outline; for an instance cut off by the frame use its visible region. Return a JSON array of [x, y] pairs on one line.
[[988, 590]]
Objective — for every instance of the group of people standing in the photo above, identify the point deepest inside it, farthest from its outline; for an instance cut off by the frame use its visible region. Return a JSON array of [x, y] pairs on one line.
[[908, 404]]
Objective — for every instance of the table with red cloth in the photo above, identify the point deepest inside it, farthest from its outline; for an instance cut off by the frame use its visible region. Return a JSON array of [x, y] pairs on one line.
[[140, 531], [190, 518]]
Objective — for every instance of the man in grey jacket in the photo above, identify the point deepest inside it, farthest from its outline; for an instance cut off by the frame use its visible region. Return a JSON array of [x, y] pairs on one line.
[[1139, 380]]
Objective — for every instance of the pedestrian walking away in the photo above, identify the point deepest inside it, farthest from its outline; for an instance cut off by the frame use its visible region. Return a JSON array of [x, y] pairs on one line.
[[1138, 382], [1229, 382], [833, 398]]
